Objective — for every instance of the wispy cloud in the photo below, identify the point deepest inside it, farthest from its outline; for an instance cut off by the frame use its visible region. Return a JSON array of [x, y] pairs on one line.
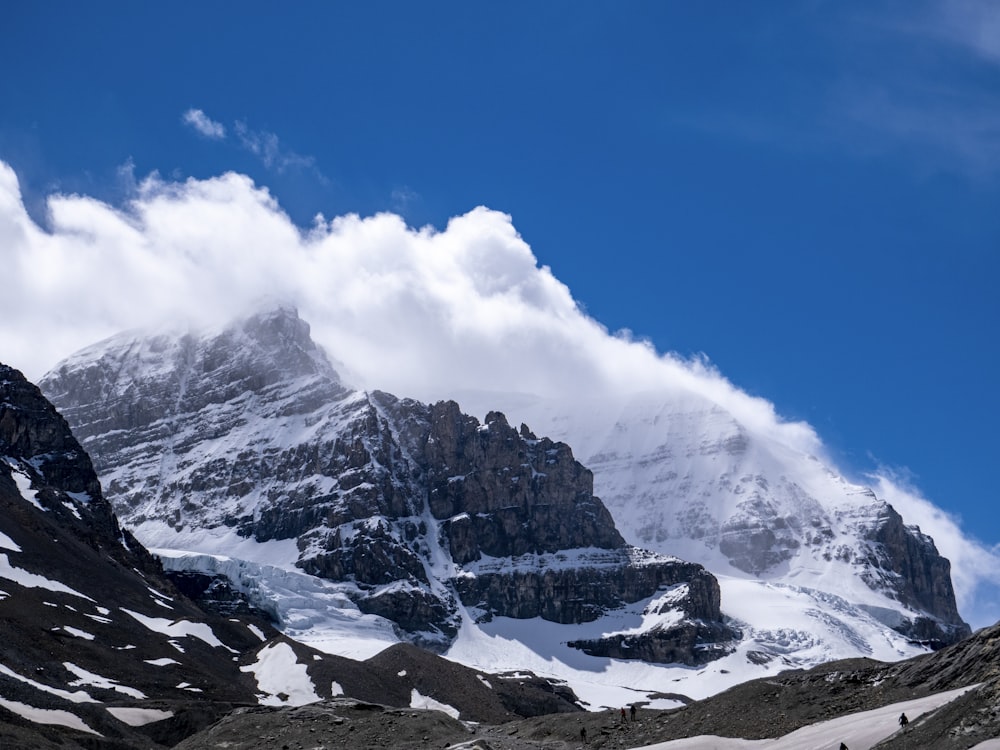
[[973, 24], [202, 123], [265, 145], [402, 198], [914, 81], [937, 128], [272, 153]]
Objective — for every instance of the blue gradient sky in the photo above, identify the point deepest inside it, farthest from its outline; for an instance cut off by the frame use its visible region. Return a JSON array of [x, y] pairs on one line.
[[806, 192]]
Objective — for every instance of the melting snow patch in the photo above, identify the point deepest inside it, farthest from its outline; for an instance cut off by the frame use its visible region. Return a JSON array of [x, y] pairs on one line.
[[139, 717], [23, 482], [77, 632], [179, 628], [484, 681], [7, 543], [166, 660], [422, 701], [32, 581], [401, 673], [257, 632], [158, 594], [98, 618], [95, 680], [281, 678], [77, 696], [336, 689], [72, 509], [46, 716]]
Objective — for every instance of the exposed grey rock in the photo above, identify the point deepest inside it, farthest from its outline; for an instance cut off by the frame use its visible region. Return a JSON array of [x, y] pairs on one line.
[[908, 563]]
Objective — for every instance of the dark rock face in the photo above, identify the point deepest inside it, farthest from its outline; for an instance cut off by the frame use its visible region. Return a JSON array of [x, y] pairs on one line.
[[505, 493], [252, 429], [906, 562], [698, 638], [37, 443], [78, 598]]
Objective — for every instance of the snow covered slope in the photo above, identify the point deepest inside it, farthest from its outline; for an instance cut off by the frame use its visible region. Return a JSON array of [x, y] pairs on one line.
[[683, 476]]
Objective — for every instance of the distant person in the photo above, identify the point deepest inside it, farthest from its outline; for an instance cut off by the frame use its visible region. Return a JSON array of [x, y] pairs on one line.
[[903, 721], [623, 714], [583, 735], [632, 711]]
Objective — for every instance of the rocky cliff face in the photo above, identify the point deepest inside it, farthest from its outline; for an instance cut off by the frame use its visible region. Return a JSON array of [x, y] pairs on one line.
[[906, 562], [409, 505]]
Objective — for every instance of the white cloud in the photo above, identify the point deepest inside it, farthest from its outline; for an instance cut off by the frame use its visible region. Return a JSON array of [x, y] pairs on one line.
[[418, 312], [204, 124]]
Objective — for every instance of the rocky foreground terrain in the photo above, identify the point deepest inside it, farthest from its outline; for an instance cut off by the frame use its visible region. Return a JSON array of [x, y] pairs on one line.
[[755, 710]]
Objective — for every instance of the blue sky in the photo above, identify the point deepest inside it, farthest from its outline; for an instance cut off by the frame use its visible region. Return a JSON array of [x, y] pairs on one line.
[[808, 193]]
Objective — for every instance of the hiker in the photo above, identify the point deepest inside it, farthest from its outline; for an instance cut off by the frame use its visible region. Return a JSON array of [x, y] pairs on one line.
[[903, 721], [583, 735], [632, 711], [623, 714]]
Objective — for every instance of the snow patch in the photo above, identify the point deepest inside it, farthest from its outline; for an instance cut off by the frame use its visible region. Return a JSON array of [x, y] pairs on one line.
[[179, 628], [162, 662], [47, 716], [423, 701], [23, 482], [77, 632], [95, 680], [281, 679], [33, 581], [858, 730], [77, 696], [7, 543]]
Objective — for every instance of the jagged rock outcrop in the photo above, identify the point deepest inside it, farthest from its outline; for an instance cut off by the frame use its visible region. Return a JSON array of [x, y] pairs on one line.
[[409, 505], [505, 493], [905, 561]]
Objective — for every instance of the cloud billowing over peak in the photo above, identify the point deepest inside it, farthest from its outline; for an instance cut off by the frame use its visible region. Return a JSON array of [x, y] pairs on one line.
[[420, 312]]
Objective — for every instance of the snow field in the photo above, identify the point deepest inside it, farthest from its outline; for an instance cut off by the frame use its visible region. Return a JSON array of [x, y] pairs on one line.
[[858, 731]]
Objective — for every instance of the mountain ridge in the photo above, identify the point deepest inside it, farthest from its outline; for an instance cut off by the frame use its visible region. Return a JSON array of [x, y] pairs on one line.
[[371, 500]]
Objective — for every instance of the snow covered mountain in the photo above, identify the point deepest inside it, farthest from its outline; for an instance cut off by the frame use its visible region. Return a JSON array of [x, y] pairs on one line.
[[101, 650], [358, 518], [683, 476]]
